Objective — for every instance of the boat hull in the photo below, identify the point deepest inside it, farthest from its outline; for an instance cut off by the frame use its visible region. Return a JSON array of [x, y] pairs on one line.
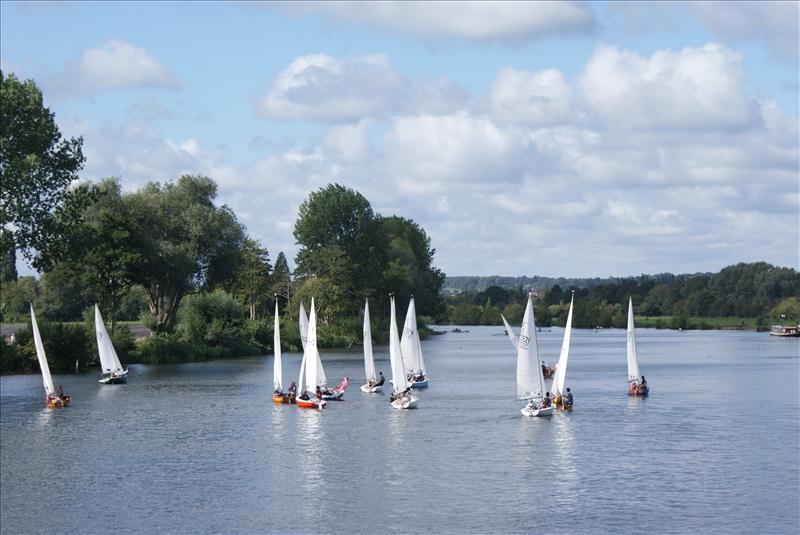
[[420, 384], [57, 403], [333, 396], [547, 411], [283, 398], [409, 402], [638, 391], [371, 389], [115, 380], [310, 404]]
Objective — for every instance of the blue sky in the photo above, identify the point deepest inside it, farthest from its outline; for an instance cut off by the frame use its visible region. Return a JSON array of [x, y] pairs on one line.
[[574, 139]]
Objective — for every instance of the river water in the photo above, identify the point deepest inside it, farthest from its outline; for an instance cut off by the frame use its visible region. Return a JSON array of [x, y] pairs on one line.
[[201, 448]]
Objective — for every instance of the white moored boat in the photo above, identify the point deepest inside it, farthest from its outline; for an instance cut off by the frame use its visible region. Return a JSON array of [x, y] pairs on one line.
[[411, 348]]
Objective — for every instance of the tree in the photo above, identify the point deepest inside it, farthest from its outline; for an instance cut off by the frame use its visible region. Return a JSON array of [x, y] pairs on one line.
[[253, 282], [410, 269], [36, 167], [281, 278], [8, 258], [341, 239], [187, 243]]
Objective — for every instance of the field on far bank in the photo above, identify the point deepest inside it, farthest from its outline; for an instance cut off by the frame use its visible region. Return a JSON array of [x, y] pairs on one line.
[[696, 322]]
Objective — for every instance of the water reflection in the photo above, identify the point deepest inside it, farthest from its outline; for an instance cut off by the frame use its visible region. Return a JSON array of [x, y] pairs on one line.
[[565, 480], [310, 443]]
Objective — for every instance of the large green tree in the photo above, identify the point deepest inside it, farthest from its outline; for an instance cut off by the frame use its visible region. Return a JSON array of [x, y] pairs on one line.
[[186, 243], [8, 256], [253, 282], [341, 239], [36, 167]]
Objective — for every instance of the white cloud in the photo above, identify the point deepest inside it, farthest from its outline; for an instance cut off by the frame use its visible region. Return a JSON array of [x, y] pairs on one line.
[[431, 153], [319, 87], [535, 99], [776, 23], [695, 88], [113, 65], [478, 20]]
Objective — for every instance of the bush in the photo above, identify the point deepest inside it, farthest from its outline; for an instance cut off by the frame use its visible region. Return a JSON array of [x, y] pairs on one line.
[[17, 358], [214, 320], [168, 348]]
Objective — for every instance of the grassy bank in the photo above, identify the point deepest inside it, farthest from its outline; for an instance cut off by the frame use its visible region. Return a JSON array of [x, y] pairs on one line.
[[695, 322]]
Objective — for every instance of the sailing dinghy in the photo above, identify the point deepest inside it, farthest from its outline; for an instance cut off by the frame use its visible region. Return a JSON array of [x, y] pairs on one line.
[[547, 371], [638, 385], [53, 399], [560, 398], [328, 393], [530, 381], [113, 373], [309, 378], [401, 397], [278, 395], [372, 385], [412, 350]]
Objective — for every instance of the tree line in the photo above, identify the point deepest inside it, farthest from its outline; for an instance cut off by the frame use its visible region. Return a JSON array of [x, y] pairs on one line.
[[168, 256], [758, 290]]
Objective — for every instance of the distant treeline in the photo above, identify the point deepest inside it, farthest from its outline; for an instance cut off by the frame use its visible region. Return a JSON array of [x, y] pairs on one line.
[[757, 290]]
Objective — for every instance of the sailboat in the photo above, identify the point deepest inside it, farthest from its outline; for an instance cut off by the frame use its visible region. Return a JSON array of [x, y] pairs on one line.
[[547, 371], [530, 381], [278, 395], [372, 385], [412, 350], [401, 397], [638, 385], [309, 378], [54, 399], [560, 397], [113, 373]]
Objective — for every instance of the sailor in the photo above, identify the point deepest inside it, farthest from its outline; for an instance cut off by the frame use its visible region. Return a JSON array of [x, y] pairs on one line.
[[546, 402], [292, 389], [381, 379], [60, 392], [568, 399], [319, 393]]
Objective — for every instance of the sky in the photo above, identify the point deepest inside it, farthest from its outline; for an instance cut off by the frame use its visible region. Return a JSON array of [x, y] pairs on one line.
[[557, 139]]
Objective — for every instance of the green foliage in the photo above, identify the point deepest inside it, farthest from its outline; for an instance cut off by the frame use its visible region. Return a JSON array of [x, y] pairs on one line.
[[8, 256], [15, 297], [19, 357], [787, 311], [168, 348], [62, 294], [258, 335], [252, 282], [212, 319], [186, 243], [37, 166], [64, 344]]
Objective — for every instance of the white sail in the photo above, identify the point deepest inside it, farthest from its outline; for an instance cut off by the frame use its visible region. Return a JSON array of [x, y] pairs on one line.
[[409, 343], [633, 361], [369, 363], [37, 341], [509, 331], [277, 368], [560, 377], [303, 326], [399, 378], [109, 361], [530, 381], [311, 354]]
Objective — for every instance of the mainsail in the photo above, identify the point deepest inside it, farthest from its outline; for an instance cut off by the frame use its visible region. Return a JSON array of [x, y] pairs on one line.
[[49, 389], [560, 377], [369, 364], [277, 368], [395, 355], [530, 381], [633, 361], [109, 361], [509, 331], [303, 326], [409, 343]]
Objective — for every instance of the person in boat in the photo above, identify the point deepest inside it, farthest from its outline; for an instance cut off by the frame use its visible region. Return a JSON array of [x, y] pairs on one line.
[[567, 399], [292, 389], [319, 393], [381, 379], [304, 396], [59, 392], [546, 402], [643, 382]]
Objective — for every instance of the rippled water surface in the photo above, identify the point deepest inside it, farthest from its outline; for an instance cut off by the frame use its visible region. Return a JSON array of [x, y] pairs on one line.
[[201, 448]]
